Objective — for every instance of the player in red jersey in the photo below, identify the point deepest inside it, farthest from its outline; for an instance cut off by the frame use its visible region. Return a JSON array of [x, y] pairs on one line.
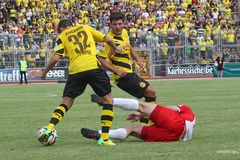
[[171, 123]]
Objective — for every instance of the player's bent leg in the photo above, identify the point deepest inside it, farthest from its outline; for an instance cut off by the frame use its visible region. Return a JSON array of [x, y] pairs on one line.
[[135, 130], [146, 108], [107, 99], [56, 117], [150, 97], [150, 92], [151, 100], [68, 101], [60, 111]]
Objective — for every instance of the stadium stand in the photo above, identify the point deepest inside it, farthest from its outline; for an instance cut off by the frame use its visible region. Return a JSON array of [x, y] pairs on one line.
[[176, 31]]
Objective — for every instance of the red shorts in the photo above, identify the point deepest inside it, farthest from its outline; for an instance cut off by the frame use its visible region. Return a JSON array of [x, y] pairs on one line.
[[168, 126]]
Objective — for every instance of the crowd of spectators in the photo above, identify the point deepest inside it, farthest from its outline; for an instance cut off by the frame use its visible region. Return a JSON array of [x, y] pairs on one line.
[[165, 25]]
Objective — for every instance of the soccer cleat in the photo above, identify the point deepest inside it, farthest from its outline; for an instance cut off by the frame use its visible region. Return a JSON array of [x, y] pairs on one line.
[[91, 134], [96, 99], [44, 135], [107, 143]]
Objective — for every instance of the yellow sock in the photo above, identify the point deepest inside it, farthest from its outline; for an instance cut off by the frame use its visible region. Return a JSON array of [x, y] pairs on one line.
[[106, 120], [57, 116], [51, 126]]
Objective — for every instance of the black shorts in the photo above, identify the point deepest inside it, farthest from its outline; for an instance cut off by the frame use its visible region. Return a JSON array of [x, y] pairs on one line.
[[96, 78], [133, 84], [220, 68]]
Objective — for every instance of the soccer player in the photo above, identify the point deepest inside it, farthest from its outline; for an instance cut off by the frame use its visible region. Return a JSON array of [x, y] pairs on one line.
[[78, 43], [120, 63], [171, 123]]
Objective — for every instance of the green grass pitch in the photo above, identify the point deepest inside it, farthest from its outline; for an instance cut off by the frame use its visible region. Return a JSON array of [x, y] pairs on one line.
[[26, 108]]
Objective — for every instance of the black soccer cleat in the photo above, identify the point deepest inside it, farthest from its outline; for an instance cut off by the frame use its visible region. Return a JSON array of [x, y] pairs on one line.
[[91, 134], [96, 99]]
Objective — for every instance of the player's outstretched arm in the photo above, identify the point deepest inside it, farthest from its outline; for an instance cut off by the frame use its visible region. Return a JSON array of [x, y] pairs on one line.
[[51, 63]]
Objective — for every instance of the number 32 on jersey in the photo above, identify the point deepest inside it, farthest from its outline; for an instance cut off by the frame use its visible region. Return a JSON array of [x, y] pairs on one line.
[[80, 42]]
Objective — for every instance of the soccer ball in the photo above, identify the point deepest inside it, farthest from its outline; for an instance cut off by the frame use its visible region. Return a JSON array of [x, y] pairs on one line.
[[51, 139]]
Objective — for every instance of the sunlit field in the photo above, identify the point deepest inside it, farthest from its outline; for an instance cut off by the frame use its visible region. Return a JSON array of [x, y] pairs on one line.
[[26, 108]]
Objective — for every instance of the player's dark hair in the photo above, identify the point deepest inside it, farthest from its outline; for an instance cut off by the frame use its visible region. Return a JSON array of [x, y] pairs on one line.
[[116, 16], [63, 24]]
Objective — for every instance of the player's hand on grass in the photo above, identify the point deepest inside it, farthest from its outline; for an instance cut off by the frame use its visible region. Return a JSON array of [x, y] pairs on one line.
[[36, 73]]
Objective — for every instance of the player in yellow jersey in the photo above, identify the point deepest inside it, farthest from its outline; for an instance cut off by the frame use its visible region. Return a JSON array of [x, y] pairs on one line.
[[78, 43], [120, 63]]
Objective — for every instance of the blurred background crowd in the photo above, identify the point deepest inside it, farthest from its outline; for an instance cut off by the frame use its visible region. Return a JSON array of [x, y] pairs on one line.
[[175, 31]]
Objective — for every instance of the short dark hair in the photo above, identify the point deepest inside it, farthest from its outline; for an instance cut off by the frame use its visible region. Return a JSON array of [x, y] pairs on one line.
[[63, 24], [116, 16]]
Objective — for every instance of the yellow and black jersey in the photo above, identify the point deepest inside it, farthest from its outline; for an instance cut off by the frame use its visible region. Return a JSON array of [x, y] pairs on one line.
[[78, 43], [121, 60]]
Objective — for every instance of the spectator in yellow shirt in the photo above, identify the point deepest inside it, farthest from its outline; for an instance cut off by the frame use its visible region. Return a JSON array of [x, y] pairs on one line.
[[210, 46], [164, 49], [230, 38], [202, 45]]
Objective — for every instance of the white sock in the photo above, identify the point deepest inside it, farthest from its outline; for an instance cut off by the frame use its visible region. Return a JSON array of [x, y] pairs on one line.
[[120, 133], [126, 103]]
